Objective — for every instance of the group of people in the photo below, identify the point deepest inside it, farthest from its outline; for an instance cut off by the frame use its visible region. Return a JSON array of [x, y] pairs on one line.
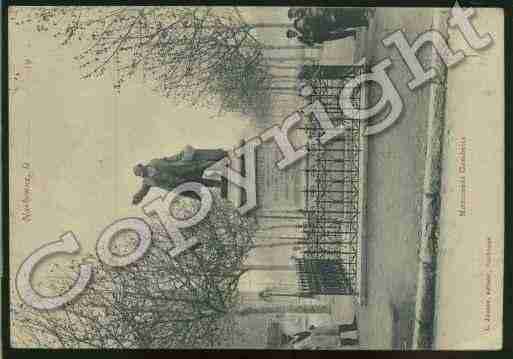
[[169, 172], [331, 336], [315, 25]]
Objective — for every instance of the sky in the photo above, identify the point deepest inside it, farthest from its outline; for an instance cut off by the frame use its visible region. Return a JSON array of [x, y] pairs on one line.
[[80, 140]]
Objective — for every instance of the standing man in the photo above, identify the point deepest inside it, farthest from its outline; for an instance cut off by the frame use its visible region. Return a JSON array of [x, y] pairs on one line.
[[332, 18], [169, 172], [340, 18], [315, 25]]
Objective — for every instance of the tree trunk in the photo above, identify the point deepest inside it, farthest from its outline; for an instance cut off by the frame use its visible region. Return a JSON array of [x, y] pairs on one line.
[[279, 244], [300, 59], [278, 67], [270, 238], [282, 88], [271, 25], [284, 47], [268, 267], [289, 308], [290, 47], [269, 228], [280, 217]]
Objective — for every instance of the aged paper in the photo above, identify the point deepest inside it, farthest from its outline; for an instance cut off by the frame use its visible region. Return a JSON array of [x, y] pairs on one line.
[[256, 177]]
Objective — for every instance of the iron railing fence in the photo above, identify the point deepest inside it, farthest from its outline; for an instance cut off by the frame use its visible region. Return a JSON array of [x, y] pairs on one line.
[[329, 261]]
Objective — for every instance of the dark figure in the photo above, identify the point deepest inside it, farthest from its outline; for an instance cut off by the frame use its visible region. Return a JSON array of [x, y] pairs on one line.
[[312, 38], [305, 41], [324, 337], [316, 25], [296, 12], [338, 18], [169, 172], [318, 29], [330, 19]]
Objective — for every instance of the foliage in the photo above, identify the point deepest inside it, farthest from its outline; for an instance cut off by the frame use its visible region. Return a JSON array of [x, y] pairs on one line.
[[206, 55], [157, 302]]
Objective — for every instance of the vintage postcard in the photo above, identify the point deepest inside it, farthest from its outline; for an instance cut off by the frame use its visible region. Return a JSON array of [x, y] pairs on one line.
[[298, 178]]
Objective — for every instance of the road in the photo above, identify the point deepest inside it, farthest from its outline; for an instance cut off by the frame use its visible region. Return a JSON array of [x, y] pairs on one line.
[[395, 175]]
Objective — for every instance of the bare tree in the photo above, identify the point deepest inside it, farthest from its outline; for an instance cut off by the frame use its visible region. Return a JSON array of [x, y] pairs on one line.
[[158, 302], [207, 55]]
